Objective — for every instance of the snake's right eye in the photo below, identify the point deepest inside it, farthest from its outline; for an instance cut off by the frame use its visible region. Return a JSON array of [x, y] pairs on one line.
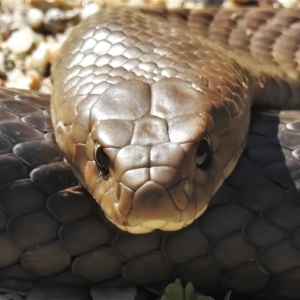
[[102, 161]]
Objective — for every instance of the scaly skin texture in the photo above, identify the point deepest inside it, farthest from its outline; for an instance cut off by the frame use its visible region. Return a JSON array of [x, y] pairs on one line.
[[248, 239], [52, 230]]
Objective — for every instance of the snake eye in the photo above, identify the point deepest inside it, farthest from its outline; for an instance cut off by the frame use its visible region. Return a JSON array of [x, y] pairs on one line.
[[102, 161], [203, 154]]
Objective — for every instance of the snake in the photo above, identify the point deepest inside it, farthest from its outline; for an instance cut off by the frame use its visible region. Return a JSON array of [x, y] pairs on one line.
[[123, 96], [151, 110]]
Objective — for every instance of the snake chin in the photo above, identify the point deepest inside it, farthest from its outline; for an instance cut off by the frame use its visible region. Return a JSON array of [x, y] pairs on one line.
[[150, 226]]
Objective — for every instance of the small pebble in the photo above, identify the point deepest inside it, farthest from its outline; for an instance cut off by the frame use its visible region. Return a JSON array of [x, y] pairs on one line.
[[173, 3], [5, 24], [34, 17], [289, 3], [54, 20], [158, 2], [118, 2], [38, 59], [3, 77], [191, 4], [9, 64], [18, 61], [53, 3], [2, 82], [88, 10], [35, 78], [57, 20], [21, 40], [53, 49], [17, 79], [2, 59], [46, 86]]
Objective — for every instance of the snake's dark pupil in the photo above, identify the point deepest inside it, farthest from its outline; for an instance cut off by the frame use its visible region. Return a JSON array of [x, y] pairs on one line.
[[203, 154], [102, 161]]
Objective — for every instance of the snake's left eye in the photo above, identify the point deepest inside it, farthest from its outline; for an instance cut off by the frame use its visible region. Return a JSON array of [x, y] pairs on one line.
[[102, 161], [203, 154]]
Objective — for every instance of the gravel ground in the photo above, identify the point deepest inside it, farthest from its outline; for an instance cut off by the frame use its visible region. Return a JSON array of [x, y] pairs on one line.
[[31, 35], [31, 32]]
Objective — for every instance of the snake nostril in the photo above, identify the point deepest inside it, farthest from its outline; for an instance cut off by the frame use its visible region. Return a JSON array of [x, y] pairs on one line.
[[189, 188], [102, 161]]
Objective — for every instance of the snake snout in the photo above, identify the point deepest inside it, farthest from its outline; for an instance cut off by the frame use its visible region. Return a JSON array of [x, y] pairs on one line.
[[153, 187], [151, 206]]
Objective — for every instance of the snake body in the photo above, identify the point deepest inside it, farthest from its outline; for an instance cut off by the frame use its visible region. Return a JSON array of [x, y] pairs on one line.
[[247, 240]]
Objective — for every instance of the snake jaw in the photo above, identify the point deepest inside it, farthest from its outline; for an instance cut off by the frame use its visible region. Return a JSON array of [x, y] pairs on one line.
[[164, 199]]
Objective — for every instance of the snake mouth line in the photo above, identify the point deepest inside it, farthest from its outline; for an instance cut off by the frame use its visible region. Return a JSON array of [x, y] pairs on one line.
[[149, 226], [184, 216]]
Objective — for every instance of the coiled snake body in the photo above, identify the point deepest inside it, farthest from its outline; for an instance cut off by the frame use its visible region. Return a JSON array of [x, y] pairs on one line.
[[151, 110]]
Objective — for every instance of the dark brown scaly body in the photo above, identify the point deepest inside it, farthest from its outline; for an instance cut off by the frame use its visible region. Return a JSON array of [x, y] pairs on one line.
[[53, 231]]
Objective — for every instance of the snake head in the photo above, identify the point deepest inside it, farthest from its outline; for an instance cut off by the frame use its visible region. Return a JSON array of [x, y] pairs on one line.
[[148, 156], [151, 127]]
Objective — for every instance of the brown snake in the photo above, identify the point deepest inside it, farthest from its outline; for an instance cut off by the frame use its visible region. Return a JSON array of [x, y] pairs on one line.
[[151, 108]]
